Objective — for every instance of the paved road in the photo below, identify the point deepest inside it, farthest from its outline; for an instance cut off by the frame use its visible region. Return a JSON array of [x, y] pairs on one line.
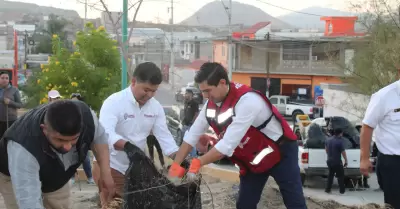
[[165, 95]]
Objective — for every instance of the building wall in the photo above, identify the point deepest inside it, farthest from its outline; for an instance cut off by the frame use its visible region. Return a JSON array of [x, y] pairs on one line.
[[245, 78], [220, 52], [345, 104]]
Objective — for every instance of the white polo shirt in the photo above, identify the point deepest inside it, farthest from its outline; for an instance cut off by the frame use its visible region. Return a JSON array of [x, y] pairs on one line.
[[123, 118], [383, 114], [250, 110]]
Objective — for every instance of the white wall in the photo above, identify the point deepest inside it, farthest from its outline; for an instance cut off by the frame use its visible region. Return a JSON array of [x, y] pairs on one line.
[[345, 104]]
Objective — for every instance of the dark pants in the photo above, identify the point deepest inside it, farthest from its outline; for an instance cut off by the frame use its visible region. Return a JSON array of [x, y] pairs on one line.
[[151, 142], [3, 126], [286, 175], [87, 167], [388, 173], [338, 170]]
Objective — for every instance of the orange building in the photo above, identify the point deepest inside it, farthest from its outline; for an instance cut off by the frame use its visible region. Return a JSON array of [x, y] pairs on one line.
[[297, 62]]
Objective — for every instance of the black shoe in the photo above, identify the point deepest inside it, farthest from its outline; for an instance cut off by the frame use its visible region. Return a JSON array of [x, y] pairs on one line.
[[342, 192], [328, 191], [366, 186]]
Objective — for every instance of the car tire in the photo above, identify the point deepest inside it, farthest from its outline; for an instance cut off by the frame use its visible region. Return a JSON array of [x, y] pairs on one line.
[[295, 113]]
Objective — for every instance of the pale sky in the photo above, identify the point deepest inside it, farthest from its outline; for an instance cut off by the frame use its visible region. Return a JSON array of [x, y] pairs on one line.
[[152, 10]]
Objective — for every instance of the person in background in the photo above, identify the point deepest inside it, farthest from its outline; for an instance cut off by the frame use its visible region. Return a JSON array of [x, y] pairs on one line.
[[54, 95], [87, 166], [130, 115], [190, 112], [10, 101], [382, 119], [334, 147]]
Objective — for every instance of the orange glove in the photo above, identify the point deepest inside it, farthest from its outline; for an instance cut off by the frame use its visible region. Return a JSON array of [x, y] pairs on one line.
[[195, 166], [176, 171]]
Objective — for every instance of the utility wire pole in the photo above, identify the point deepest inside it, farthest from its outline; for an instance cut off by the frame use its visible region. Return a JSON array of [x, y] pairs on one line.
[[172, 64], [230, 54], [267, 66], [84, 22]]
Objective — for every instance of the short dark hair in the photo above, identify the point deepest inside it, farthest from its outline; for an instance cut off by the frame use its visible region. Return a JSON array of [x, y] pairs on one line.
[[189, 91], [148, 72], [337, 131], [65, 117], [212, 72], [78, 96]]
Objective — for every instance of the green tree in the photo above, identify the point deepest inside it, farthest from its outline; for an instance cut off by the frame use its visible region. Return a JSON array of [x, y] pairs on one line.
[[55, 25], [376, 61], [93, 69]]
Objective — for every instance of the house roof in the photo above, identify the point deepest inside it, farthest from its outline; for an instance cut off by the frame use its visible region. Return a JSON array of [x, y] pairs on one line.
[[253, 29]]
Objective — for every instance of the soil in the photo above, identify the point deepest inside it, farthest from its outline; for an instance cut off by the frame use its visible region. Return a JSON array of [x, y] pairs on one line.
[[223, 197]]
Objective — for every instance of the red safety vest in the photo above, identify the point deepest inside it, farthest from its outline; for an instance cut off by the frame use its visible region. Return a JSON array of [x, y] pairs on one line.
[[256, 152]]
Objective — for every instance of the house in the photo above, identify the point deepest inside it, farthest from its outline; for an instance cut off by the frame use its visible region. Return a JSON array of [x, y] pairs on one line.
[[194, 49], [297, 62]]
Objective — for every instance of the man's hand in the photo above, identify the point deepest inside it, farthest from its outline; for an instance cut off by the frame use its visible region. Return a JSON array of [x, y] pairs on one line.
[[6, 101], [108, 192], [194, 170], [365, 167], [204, 141]]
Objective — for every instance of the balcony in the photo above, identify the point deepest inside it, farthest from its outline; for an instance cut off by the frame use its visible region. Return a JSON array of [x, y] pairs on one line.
[[304, 67]]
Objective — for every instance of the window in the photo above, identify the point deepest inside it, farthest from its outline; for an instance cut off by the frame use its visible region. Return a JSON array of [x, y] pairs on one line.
[[274, 100], [223, 51], [191, 48], [296, 51], [282, 101]]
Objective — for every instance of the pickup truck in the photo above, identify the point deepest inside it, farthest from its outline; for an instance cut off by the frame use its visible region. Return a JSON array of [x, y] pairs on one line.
[[291, 108], [312, 161]]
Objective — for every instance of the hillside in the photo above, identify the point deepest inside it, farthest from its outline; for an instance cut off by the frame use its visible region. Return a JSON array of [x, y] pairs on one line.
[[300, 20], [213, 14], [15, 8]]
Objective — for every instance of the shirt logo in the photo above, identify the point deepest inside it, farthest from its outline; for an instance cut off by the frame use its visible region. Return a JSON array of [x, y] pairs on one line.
[[149, 116], [126, 116]]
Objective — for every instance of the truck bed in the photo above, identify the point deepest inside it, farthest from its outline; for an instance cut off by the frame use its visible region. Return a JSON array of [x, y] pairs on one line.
[[313, 162]]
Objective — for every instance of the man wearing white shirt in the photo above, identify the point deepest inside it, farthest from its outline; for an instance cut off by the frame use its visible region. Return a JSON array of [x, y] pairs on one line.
[[252, 134], [383, 119], [130, 115]]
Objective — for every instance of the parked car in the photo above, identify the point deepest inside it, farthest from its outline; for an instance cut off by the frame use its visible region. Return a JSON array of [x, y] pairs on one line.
[[172, 114], [288, 107], [197, 96]]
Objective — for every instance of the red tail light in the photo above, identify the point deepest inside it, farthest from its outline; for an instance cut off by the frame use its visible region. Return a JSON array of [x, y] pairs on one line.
[[304, 157], [312, 110]]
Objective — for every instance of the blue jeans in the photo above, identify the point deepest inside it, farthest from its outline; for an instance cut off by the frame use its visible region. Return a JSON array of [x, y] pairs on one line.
[[193, 153], [286, 175], [87, 167]]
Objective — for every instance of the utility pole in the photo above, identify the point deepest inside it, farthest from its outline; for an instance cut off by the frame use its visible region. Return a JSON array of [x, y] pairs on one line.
[[26, 51], [124, 74], [267, 66], [230, 54], [172, 64], [84, 22]]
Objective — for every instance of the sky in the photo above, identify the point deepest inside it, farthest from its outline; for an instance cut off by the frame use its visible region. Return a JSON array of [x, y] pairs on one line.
[[157, 10]]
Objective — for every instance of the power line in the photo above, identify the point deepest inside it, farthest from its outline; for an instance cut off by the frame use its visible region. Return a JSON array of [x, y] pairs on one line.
[[304, 13]]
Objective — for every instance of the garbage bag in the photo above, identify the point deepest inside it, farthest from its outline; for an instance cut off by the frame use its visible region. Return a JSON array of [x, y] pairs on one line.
[[147, 188], [315, 137], [350, 132]]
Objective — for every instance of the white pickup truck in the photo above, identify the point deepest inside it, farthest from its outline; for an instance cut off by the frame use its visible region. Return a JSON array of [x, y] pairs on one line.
[[312, 161], [291, 108]]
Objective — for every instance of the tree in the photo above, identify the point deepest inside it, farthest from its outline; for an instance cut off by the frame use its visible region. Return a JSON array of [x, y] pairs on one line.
[[55, 25], [376, 62], [93, 69]]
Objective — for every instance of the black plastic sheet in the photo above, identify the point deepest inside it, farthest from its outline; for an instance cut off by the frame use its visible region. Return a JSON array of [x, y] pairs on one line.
[[147, 188], [316, 135]]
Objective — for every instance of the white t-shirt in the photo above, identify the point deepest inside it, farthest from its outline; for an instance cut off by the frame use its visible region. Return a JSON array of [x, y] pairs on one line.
[[383, 114]]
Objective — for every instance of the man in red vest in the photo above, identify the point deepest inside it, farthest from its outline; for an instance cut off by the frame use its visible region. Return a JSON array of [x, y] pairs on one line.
[[251, 133]]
